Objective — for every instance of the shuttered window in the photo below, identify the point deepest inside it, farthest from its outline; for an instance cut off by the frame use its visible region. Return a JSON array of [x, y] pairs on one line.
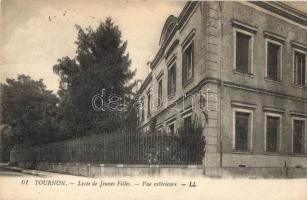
[[160, 93], [298, 136], [273, 61], [243, 52], [148, 105], [272, 133], [188, 63], [299, 69], [171, 128], [171, 89], [242, 131], [143, 110]]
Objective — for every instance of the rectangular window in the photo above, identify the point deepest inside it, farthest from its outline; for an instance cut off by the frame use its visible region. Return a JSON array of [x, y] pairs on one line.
[[243, 53], [299, 69], [171, 129], [272, 133], [143, 110], [273, 61], [148, 105], [187, 123], [298, 136], [159, 131], [171, 89], [160, 93], [242, 131], [188, 63]]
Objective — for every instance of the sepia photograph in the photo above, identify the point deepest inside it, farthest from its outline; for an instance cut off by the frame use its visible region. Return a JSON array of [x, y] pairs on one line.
[[153, 99]]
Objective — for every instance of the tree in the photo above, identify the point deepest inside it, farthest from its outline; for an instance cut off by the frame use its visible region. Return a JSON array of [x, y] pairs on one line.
[[29, 109], [100, 63], [192, 139], [6, 143]]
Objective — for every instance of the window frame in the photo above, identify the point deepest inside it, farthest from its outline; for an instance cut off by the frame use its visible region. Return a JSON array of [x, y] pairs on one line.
[[168, 127], [143, 109], [160, 97], [294, 50], [186, 115], [304, 136], [172, 66], [280, 58], [159, 130], [185, 79], [149, 104], [251, 50], [251, 127], [272, 114]]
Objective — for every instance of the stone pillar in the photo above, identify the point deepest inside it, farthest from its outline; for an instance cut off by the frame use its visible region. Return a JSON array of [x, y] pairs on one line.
[[212, 74], [212, 128]]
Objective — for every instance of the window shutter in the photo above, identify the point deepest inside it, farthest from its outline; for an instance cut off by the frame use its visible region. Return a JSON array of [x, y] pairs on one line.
[[242, 53]]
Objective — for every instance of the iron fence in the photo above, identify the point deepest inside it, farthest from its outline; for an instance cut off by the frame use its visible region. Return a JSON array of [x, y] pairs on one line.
[[118, 148]]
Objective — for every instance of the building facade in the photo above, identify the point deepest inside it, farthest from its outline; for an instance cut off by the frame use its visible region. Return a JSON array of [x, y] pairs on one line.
[[239, 67]]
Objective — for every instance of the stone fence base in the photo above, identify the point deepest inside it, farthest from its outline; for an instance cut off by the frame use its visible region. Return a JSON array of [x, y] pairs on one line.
[[102, 170], [113, 170]]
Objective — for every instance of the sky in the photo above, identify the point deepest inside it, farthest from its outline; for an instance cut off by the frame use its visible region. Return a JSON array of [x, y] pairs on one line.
[[35, 33]]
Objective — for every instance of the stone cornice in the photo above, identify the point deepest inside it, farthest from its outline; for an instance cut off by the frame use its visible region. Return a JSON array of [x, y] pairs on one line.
[[229, 85], [283, 10], [145, 83]]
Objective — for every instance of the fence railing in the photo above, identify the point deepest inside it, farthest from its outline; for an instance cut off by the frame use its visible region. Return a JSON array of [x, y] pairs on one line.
[[117, 148]]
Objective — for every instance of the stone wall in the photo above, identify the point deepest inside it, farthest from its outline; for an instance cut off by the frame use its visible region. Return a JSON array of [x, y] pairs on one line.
[[101, 170]]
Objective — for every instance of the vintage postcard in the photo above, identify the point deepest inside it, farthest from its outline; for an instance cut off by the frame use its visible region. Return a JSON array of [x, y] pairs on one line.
[[142, 99]]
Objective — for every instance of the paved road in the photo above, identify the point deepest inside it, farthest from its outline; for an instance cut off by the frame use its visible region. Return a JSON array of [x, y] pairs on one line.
[[10, 173]]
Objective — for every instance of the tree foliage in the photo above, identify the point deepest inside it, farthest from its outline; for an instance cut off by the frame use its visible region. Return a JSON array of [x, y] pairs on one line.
[[195, 145], [29, 109], [101, 63]]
